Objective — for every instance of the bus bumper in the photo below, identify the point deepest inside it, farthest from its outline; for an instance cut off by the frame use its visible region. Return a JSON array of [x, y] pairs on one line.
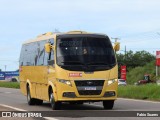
[[71, 93]]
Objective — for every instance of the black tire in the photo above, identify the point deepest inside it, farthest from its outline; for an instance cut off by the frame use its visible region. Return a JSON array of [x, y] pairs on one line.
[[72, 103], [38, 102], [108, 104], [80, 103], [54, 105], [31, 101], [76, 103], [13, 80]]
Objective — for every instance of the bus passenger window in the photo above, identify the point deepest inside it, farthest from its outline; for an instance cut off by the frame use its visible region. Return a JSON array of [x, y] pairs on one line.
[[51, 58]]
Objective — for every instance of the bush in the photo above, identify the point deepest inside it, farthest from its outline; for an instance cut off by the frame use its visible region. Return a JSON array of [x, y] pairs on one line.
[[138, 73], [10, 84]]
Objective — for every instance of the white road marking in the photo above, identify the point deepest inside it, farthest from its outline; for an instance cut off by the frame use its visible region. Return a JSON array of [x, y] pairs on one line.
[[7, 92], [50, 118], [14, 108], [138, 100]]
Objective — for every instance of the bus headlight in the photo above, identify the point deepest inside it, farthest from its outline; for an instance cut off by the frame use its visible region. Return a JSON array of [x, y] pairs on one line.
[[67, 82], [112, 81]]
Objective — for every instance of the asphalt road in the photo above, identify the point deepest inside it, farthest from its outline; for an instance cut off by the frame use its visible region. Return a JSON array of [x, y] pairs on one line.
[[13, 100]]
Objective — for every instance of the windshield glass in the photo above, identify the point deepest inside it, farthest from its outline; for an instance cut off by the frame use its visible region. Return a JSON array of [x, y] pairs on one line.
[[85, 52]]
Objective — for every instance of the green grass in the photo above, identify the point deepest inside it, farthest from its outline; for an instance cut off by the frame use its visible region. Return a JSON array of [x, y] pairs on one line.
[[10, 84], [149, 92], [137, 73]]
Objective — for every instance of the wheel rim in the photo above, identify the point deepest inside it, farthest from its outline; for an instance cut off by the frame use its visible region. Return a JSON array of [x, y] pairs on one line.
[[28, 96], [51, 100]]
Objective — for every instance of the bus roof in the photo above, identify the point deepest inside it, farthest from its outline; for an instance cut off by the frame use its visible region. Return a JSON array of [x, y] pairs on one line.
[[50, 35]]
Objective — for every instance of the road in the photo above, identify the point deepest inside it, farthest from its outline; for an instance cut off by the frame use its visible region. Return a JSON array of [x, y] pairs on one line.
[[13, 100]]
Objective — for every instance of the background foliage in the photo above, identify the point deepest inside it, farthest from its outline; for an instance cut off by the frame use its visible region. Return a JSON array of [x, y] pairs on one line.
[[138, 64]]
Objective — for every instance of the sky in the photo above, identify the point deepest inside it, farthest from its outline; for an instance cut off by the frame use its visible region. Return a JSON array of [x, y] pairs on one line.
[[135, 22]]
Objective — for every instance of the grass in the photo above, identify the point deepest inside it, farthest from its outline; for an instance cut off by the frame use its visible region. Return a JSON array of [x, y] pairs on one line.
[[149, 92], [10, 84], [138, 73]]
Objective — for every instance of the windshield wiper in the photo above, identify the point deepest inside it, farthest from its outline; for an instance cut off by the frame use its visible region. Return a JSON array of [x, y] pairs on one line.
[[74, 62]]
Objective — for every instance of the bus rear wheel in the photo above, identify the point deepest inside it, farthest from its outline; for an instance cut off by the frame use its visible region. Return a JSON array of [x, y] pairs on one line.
[[31, 101], [38, 102], [74, 103], [54, 105], [108, 104]]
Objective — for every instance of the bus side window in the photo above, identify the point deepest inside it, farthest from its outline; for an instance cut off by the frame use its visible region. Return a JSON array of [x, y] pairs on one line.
[[48, 58], [45, 59], [51, 58], [40, 53], [51, 54], [27, 55], [21, 61]]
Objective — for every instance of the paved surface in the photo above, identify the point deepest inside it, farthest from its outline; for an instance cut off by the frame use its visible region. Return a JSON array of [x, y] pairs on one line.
[[13, 100]]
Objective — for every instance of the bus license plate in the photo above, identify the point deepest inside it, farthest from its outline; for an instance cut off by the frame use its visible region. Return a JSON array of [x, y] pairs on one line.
[[90, 88]]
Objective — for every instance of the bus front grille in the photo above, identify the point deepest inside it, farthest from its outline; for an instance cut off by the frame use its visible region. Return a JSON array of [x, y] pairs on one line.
[[89, 87], [89, 82], [89, 92]]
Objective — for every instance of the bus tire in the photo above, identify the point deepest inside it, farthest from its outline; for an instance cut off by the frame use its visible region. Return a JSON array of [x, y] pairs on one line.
[[108, 104], [54, 105], [80, 103], [31, 101], [38, 102], [74, 102]]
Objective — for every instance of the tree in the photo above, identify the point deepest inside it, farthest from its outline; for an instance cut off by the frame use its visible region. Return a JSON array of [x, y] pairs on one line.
[[132, 60]]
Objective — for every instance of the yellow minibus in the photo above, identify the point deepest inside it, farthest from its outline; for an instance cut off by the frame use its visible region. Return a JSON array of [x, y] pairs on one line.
[[73, 67]]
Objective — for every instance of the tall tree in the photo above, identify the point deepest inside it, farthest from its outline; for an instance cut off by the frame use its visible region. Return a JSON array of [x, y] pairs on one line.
[[132, 60]]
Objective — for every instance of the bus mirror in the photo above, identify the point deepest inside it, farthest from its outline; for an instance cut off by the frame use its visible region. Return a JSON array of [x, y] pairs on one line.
[[116, 46], [48, 47]]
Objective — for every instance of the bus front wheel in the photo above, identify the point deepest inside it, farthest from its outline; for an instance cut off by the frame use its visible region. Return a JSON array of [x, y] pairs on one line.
[[108, 104], [31, 101], [55, 105]]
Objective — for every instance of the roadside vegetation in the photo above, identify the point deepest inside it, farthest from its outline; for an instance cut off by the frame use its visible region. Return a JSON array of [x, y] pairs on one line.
[[138, 64], [138, 73], [143, 92], [10, 84], [137, 59]]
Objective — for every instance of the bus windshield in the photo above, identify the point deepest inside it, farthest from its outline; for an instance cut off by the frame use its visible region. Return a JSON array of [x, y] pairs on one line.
[[85, 53]]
